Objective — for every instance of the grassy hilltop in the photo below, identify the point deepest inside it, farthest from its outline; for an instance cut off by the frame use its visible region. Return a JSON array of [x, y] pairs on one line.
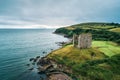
[[100, 31], [101, 61]]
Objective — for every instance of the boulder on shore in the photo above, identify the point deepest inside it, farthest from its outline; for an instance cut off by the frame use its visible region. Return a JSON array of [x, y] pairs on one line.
[[31, 59]]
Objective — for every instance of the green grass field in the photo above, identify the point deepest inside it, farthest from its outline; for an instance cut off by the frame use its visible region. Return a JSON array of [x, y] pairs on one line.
[[108, 48], [76, 55], [115, 30]]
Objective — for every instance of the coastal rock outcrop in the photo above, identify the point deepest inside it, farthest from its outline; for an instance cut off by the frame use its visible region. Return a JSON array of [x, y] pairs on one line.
[[53, 70]]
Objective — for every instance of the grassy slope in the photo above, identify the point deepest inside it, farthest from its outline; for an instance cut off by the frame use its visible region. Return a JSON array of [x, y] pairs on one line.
[[115, 30], [109, 48], [99, 31], [76, 55], [93, 25], [86, 67], [100, 49]]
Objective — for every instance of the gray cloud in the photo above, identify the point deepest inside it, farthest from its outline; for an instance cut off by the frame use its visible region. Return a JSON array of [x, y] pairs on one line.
[[57, 12]]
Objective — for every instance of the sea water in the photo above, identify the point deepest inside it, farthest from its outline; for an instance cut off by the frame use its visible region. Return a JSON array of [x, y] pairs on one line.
[[17, 46]]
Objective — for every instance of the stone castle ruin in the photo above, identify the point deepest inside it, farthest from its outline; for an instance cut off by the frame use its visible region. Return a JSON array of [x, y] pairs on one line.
[[82, 40]]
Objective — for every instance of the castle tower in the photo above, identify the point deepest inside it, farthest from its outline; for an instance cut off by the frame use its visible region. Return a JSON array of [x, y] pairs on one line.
[[82, 41]]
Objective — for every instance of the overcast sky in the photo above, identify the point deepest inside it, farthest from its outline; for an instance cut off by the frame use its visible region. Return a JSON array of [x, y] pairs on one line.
[[56, 13]]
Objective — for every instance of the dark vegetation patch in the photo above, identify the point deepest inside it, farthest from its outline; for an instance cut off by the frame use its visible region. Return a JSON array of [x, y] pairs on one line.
[[92, 69]]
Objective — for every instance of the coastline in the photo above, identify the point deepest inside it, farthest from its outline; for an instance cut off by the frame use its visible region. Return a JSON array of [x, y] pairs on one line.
[[59, 64], [53, 69], [50, 67], [16, 50]]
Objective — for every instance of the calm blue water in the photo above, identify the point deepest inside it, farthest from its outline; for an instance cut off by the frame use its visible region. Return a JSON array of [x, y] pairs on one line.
[[17, 46]]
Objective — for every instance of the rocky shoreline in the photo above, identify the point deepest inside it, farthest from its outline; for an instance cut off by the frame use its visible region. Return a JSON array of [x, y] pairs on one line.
[[50, 68], [53, 70]]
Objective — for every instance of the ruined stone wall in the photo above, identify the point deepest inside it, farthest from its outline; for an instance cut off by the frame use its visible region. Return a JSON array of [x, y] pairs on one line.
[[82, 41], [75, 40]]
